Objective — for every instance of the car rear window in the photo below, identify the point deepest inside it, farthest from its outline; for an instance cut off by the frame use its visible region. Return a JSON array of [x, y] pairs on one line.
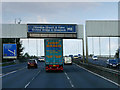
[[41, 57], [113, 61], [31, 61]]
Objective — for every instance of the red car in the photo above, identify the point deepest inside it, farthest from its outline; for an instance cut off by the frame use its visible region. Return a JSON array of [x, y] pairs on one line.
[[32, 63]]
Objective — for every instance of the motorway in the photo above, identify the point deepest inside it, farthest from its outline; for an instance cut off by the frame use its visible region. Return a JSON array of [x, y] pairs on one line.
[[100, 62], [73, 76]]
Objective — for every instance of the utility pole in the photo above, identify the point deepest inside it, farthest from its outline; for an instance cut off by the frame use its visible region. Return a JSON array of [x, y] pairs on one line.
[[86, 47], [28, 47], [37, 47], [99, 47], [92, 46], [83, 50], [109, 49]]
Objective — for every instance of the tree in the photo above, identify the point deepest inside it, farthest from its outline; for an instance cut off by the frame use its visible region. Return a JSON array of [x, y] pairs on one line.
[[91, 55], [19, 48], [117, 53], [8, 40], [26, 55]]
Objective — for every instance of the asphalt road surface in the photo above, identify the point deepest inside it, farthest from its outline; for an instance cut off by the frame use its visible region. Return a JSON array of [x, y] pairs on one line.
[[100, 61], [73, 76]]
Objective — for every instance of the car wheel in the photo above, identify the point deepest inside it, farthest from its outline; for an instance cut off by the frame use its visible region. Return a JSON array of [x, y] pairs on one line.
[[36, 66], [108, 66], [47, 70], [28, 67], [117, 67], [61, 70]]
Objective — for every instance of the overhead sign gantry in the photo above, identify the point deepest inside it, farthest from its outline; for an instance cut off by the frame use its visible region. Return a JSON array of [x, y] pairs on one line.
[[69, 31], [62, 31]]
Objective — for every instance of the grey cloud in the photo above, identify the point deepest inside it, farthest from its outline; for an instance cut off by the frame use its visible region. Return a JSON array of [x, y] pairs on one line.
[[60, 1], [44, 7]]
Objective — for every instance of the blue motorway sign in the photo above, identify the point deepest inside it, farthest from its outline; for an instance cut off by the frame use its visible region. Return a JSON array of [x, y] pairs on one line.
[[9, 51], [53, 28]]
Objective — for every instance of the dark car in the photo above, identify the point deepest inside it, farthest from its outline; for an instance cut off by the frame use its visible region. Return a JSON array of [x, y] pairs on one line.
[[32, 63], [112, 63], [118, 60]]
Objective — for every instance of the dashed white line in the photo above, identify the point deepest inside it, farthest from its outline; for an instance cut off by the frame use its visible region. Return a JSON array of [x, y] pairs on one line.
[[69, 80], [31, 80], [27, 85], [98, 75], [8, 73], [11, 72]]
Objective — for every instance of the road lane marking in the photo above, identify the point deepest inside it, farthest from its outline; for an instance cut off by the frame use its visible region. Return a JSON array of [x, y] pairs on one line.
[[98, 75], [32, 80], [11, 65], [11, 72], [2, 75], [8, 74], [69, 80], [27, 85]]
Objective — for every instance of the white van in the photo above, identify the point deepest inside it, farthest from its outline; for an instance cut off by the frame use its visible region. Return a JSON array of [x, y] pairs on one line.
[[95, 58], [67, 60]]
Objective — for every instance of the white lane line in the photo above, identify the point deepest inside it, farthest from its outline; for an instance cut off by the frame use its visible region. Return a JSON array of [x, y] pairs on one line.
[[98, 75], [11, 72], [69, 80], [27, 85], [31, 80], [8, 74]]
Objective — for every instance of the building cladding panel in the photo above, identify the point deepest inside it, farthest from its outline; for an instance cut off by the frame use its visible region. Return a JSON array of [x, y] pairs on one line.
[[101, 28], [80, 31], [14, 31]]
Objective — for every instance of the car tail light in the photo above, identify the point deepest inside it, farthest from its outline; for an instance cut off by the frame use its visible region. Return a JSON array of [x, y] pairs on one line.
[[50, 65], [46, 66], [57, 65]]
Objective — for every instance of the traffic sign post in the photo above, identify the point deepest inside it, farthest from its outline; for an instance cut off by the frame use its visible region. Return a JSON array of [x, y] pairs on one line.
[[9, 51]]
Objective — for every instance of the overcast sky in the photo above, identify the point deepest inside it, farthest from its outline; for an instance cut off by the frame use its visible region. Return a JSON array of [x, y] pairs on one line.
[[63, 12]]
